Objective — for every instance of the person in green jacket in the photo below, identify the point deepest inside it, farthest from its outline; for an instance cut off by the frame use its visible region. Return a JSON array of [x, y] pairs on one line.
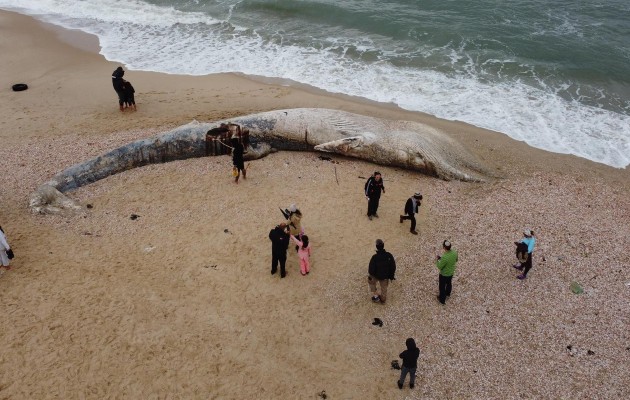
[[446, 264]]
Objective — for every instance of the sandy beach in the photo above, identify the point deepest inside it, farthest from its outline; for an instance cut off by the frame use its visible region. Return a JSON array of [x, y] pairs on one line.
[[179, 303]]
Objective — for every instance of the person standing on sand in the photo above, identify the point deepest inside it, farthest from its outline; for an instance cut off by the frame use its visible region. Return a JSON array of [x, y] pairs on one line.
[[409, 363], [373, 188], [117, 82], [446, 264], [128, 90], [304, 253], [411, 209], [279, 237], [381, 270], [5, 251], [530, 241]]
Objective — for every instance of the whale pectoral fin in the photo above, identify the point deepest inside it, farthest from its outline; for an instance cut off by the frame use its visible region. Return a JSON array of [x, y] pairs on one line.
[[341, 146]]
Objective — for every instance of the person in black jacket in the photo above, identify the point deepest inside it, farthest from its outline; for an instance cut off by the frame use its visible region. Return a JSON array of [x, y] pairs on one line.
[[410, 363], [382, 269], [237, 158], [117, 82], [130, 100], [411, 209], [279, 237], [373, 188]]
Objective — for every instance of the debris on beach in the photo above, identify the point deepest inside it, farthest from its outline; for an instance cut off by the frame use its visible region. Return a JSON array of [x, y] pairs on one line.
[[576, 288], [226, 230], [322, 394], [134, 217], [395, 364], [377, 322]]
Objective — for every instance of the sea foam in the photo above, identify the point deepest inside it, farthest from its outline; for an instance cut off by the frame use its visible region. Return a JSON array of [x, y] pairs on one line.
[[152, 38]]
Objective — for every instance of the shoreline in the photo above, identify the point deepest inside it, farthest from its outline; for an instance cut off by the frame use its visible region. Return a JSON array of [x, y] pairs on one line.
[[90, 43], [98, 304]]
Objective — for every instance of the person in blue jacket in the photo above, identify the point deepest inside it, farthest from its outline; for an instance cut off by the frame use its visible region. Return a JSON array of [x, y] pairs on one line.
[[530, 241]]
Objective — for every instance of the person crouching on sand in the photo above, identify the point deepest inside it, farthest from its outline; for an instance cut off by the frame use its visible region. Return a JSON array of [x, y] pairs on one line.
[[304, 253]]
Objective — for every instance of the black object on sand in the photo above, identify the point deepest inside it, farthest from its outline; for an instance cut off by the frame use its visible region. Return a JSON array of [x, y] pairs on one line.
[[18, 87], [285, 213], [377, 321]]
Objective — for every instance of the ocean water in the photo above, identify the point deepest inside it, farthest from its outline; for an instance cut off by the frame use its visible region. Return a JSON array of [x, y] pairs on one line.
[[554, 73]]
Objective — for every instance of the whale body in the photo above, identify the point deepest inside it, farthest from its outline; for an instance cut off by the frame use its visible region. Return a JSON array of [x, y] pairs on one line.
[[405, 144]]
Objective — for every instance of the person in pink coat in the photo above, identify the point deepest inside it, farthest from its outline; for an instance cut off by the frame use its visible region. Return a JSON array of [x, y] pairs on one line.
[[304, 253]]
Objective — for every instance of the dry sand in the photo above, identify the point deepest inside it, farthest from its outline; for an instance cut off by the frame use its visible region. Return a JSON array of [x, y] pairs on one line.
[[170, 306]]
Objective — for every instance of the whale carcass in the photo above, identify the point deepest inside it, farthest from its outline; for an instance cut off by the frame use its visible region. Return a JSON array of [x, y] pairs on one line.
[[405, 144]]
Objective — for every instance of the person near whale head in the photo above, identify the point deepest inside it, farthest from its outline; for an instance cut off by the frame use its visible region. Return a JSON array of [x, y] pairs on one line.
[[238, 160]]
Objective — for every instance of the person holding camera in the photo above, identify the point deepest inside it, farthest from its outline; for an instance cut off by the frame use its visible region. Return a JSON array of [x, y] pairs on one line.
[[446, 265]]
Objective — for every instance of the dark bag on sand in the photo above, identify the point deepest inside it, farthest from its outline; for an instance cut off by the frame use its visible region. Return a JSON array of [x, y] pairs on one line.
[[10, 254]]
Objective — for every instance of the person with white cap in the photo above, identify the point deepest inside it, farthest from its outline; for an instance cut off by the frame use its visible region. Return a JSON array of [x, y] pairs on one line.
[[381, 270], [411, 209], [530, 241]]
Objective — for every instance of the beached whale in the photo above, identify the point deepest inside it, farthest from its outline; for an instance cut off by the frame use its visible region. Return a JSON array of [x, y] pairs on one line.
[[403, 144]]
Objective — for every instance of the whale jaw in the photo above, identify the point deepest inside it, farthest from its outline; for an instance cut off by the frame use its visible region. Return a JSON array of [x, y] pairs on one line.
[[346, 146]]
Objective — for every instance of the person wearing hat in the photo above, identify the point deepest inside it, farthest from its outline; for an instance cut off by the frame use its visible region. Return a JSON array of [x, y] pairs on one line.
[[373, 188], [411, 209], [446, 265], [279, 237], [381, 270], [530, 241]]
